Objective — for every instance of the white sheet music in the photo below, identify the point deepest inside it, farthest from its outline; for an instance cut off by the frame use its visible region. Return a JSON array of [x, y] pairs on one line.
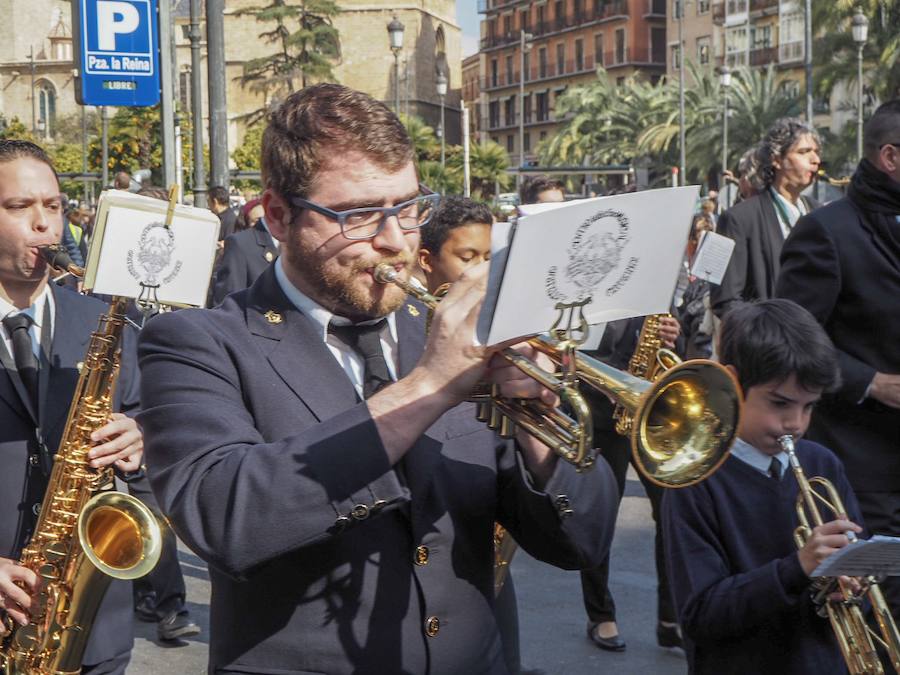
[[712, 257], [879, 555]]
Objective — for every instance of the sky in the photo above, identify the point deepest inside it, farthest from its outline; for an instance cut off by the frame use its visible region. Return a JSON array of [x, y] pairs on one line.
[[468, 17]]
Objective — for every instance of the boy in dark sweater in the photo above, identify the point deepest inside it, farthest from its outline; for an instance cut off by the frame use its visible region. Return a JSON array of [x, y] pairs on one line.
[[741, 586]]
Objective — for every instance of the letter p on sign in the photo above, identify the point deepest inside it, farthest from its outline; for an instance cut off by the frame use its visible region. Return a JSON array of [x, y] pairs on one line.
[[114, 18]]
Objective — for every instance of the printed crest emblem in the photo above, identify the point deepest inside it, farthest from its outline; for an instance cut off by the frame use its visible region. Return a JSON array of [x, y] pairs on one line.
[[269, 256], [413, 310], [152, 263], [273, 317], [596, 250]]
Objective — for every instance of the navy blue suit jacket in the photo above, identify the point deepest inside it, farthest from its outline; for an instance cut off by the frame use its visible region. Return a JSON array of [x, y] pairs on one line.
[[323, 559], [245, 256], [22, 481]]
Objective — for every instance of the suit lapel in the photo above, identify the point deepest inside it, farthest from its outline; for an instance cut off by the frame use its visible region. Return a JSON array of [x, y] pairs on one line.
[[296, 350]]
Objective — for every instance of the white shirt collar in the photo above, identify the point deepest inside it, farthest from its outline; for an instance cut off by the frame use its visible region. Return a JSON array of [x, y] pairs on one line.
[[320, 316], [35, 311], [756, 458]]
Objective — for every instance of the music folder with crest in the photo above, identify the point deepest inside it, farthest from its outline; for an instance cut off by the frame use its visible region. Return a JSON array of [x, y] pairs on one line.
[[623, 252], [134, 252]]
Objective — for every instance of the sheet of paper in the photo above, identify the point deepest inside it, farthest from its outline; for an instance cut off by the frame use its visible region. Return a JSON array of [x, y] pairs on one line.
[[712, 257], [134, 247], [622, 251], [879, 555]]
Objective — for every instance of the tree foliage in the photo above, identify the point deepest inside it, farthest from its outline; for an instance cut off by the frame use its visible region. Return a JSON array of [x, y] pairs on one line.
[[306, 43], [247, 155], [638, 122]]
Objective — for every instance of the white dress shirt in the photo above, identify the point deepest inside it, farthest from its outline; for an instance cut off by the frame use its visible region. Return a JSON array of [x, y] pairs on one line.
[[793, 211], [758, 459], [346, 357]]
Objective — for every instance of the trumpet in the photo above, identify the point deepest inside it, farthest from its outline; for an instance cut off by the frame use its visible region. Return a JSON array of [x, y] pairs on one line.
[[684, 422], [857, 641]]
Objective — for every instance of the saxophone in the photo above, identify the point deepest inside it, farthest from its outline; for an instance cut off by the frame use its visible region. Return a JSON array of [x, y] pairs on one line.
[[87, 534], [650, 359]]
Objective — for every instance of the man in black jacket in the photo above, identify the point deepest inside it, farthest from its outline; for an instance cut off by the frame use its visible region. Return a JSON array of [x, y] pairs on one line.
[[788, 160], [842, 263], [247, 254]]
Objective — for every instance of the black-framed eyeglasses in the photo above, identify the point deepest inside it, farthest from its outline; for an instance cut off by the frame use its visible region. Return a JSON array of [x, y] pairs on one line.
[[367, 222]]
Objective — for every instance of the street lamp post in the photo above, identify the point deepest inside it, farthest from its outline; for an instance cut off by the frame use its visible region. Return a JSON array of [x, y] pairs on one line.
[[395, 35], [681, 152], [725, 81], [524, 39], [860, 28], [442, 92]]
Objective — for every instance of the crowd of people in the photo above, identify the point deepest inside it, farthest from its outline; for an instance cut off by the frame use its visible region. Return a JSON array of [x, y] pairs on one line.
[[313, 443]]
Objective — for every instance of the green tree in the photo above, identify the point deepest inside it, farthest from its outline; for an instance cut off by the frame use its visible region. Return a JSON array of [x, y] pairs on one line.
[[488, 163], [424, 140], [247, 155], [15, 128], [307, 45], [67, 158]]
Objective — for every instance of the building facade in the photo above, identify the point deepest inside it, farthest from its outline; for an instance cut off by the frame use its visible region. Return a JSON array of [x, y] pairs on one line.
[[558, 44]]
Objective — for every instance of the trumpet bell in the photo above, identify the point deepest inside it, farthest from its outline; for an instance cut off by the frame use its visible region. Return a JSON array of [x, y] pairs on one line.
[[685, 423]]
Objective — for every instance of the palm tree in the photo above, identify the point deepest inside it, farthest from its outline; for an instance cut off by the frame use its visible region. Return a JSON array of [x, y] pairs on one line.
[[488, 163], [422, 136]]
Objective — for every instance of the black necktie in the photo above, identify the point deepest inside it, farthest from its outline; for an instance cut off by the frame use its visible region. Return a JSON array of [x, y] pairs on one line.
[[775, 469], [365, 340], [23, 353]]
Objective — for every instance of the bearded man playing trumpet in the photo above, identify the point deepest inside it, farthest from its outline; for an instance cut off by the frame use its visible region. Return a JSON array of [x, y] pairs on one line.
[[309, 442]]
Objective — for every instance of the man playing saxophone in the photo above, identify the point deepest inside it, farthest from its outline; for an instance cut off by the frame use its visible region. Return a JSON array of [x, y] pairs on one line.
[[742, 588], [45, 331]]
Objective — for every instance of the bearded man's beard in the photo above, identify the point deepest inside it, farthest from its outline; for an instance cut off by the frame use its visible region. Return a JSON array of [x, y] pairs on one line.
[[339, 289]]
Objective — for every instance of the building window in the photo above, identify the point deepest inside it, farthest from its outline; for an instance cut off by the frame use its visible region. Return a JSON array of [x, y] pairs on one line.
[[523, 19], [620, 81], [526, 63], [46, 120], [510, 79], [598, 49], [509, 111], [790, 46], [494, 72], [703, 50], [184, 90], [676, 61], [540, 19], [561, 58], [579, 11], [543, 136], [510, 145], [658, 45], [736, 46], [507, 25], [761, 37], [543, 107], [620, 45], [579, 55], [559, 10], [527, 108], [791, 88], [702, 6], [527, 141], [542, 62], [494, 114]]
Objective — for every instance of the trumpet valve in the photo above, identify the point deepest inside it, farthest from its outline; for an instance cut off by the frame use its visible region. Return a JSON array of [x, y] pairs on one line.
[[495, 418], [507, 427], [483, 412]]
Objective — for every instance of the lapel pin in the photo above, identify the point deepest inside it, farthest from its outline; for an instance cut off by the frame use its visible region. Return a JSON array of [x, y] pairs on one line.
[[413, 310], [273, 317], [269, 256]]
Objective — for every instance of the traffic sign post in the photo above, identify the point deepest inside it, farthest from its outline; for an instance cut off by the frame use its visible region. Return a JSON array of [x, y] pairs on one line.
[[117, 52]]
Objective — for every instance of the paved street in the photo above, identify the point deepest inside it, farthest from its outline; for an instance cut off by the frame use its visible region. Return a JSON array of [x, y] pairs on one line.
[[551, 615]]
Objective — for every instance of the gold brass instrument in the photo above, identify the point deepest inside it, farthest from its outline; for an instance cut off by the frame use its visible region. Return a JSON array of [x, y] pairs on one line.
[[569, 437], [86, 533], [649, 359], [855, 638], [836, 182]]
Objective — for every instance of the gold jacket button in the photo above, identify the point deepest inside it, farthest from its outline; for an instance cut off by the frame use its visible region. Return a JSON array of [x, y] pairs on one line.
[[360, 512], [421, 555], [432, 626]]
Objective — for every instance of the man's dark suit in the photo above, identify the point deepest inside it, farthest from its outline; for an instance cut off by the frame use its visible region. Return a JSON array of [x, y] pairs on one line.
[[753, 268], [322, 558], [22, 481], [246, 255], [836, 265]]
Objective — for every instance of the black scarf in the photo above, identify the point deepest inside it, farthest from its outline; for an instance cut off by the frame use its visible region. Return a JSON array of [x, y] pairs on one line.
[[877, 196]]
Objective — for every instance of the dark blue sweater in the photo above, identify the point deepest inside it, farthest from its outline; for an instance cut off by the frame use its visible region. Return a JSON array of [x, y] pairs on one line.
[[743, 599]]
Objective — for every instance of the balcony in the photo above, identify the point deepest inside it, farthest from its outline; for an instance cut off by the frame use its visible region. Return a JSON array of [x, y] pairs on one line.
[[603, 12], [718, 13], [763, 56], [763, 5]]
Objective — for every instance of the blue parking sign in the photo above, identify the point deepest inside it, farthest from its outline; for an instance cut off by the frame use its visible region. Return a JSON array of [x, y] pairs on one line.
[[117, 52]]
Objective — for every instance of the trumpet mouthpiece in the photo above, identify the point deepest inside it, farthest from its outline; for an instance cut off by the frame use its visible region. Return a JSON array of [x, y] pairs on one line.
[[786, 442], [384, 273]]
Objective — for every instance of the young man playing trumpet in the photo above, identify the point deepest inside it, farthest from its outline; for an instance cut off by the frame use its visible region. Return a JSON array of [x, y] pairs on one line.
[[309, 442]]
